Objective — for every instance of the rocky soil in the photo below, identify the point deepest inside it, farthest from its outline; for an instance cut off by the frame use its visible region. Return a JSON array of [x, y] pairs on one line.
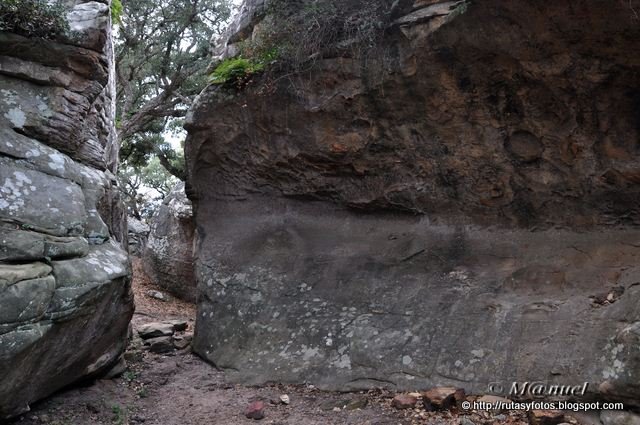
[[178, 388]]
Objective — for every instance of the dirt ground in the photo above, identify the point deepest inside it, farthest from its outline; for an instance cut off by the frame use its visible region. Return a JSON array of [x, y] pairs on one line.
[[179, 388]]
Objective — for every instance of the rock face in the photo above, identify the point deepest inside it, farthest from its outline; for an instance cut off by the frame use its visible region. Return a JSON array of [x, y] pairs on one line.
[[459, 208], [168, 257], [65, 298], [138, 233]]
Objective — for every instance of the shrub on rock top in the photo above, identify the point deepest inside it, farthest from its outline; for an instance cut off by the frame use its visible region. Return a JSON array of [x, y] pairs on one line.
[[235, 71]]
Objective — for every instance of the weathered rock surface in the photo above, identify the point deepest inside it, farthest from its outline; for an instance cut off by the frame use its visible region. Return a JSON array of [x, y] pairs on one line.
[[545, 417], [617, 417], [255, 410], [348, 226], [442, 398], [168, 257], [157, 329], [65, 299], [404, 401], [154, 330], [138, 233], [160, 345]]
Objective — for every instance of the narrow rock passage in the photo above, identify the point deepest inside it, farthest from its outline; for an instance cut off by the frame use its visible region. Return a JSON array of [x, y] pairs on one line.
[[178, 388]]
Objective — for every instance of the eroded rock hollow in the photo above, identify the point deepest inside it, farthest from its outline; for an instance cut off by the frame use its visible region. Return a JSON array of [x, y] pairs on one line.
[[65, 298], [460, 209]]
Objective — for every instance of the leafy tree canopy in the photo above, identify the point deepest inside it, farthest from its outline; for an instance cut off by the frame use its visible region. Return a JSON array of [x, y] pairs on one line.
[[144, 188], [33, 18], [162, 54]]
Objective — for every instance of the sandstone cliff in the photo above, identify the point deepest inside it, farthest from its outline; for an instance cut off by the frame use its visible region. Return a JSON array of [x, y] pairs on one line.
[[507, 113], [410, 218], [65, 300]]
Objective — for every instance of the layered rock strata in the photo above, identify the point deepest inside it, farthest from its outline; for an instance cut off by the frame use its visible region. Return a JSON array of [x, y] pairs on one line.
[[65, 298]]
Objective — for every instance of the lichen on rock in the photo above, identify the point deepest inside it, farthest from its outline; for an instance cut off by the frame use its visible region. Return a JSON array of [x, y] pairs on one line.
[[65, 297], [386, 215], [168, 256]]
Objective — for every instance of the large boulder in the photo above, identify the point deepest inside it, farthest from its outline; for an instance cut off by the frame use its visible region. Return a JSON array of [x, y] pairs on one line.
[[65, 296], [138, 233], [456, 207], [168, 257]]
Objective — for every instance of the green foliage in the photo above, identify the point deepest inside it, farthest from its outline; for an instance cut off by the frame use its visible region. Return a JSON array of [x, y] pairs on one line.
[[143, 188], [138, 150], [235, 71], [162, 58], [120, 415], [33, 18], [129, 375], [155, 176], [116, 11]]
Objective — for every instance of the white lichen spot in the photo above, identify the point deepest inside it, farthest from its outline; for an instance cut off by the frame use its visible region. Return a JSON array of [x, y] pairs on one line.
[[21, 178], [17, 117], [343, 362], [406, 360], [32, 153], [10, 97], [616, 367], [57, 161], [478, 353], [13, 192], [308, 353], [43, 107]]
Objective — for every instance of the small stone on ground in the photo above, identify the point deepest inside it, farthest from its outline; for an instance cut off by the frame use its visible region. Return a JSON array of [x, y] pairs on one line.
[[404, 401], [255, 410]]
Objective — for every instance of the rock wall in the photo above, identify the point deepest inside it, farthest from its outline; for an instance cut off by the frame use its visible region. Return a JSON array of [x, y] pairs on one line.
[[138, 233], [65, 298], [168, 256], [459, 207]]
